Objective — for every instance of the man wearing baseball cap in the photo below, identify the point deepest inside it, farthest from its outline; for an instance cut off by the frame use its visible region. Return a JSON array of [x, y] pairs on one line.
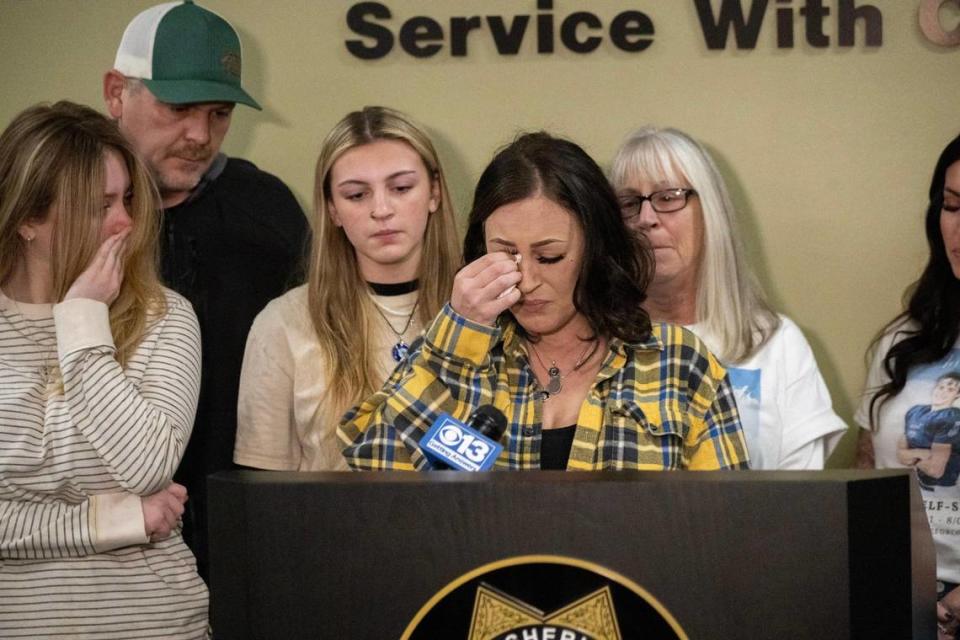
[[233, 236]]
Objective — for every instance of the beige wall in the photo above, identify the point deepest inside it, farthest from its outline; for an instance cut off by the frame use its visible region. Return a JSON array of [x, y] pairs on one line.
[[828, 151]]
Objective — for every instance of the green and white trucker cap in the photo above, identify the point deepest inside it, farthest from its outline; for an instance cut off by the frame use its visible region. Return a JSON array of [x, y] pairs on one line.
[[183, 53]]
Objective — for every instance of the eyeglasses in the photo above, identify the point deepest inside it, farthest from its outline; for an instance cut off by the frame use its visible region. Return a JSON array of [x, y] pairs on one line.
[[666, 201]]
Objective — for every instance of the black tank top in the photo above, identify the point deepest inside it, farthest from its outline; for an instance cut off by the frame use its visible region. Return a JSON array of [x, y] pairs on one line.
[[555, 447]]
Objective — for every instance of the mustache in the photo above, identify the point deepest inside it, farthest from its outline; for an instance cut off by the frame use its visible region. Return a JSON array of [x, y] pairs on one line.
[[193, 152]]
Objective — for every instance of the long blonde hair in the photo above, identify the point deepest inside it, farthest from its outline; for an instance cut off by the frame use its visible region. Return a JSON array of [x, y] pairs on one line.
[[730, 305], [52, 162], [335, 285]]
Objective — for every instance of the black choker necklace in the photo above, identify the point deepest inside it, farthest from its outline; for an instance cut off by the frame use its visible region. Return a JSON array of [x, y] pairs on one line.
[[395, 288]]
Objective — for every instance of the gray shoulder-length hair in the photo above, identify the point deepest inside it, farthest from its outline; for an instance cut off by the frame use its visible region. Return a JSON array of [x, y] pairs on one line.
[[731, 309]]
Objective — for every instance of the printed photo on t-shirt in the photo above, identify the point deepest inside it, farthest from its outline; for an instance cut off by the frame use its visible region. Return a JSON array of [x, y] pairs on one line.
[[931, 427], [920, 428], [746, 390]]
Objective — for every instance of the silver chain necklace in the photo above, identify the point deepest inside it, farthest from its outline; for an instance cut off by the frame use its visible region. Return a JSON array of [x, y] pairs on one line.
[[555, 384], [401, 348]]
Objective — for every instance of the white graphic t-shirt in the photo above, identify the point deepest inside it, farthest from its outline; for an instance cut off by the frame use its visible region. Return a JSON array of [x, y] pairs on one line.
[[920, 428], [785, 407]]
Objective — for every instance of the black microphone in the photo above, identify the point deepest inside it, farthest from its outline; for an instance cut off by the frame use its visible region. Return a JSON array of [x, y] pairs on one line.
[[489, 421], [471, 446]]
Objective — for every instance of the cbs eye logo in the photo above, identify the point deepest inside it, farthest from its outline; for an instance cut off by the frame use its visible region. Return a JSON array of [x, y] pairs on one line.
[[467, 445]]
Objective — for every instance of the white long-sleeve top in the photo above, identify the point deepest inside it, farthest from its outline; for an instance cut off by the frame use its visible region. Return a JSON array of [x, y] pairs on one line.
[[81, 441]]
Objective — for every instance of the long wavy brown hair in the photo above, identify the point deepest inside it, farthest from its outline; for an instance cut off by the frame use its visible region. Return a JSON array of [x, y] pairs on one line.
[[617, 265]]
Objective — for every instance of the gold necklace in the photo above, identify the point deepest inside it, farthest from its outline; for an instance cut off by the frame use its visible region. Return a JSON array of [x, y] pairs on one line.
[[49, 370], [555, 384], [401, 348]]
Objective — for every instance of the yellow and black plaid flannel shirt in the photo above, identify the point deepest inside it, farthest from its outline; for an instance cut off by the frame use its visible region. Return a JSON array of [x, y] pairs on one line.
[[665, 403]]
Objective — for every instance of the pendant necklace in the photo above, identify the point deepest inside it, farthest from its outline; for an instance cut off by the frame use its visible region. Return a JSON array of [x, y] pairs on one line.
[[555, 384], [401, 348], [49, 370]]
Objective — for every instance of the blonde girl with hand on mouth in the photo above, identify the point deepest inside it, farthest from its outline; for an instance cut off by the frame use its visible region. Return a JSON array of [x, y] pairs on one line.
[[99, 378]]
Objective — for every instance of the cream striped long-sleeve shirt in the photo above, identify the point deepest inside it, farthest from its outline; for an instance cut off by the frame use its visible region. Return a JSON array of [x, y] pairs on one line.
[[81, 440]]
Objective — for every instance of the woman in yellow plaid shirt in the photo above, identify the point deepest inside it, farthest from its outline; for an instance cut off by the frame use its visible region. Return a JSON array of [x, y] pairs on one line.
[[545, 323]]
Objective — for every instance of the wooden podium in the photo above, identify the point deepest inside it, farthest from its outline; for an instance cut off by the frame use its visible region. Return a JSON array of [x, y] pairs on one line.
[[820, 555]]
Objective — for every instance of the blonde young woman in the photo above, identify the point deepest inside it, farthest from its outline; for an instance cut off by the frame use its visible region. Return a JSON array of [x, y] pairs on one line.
[[671, 190], [382, 264], [99, 376]]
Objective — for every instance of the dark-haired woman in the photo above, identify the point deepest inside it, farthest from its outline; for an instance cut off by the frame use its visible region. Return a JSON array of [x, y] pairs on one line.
[[545, 323], [911, 406]]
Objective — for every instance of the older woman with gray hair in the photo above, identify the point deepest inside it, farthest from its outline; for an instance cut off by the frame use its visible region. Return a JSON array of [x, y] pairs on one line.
[[671, 191]]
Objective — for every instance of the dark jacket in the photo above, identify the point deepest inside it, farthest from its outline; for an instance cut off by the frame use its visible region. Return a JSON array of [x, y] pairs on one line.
[[234, 245]]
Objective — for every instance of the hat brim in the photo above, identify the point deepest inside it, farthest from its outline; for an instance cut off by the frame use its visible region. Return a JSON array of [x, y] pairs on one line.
[[191, 91]]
